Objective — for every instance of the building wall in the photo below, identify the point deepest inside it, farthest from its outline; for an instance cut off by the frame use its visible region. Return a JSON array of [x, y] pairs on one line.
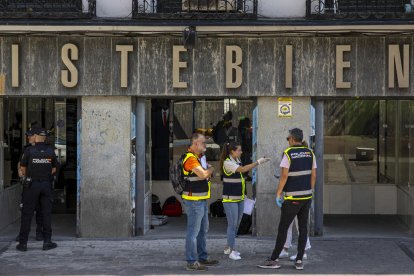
[[105, 189], [266, 8], [282, 8], [114, 8], [263, 67], [9, 205]]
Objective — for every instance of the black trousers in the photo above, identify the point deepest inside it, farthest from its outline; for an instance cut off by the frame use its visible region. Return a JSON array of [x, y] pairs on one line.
[[291, 209], [39, 192], [39, 216]]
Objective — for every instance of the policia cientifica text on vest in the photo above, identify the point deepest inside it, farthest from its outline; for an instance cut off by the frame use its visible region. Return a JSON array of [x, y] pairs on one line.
[[195, 187], [233, 185], [298, 185]]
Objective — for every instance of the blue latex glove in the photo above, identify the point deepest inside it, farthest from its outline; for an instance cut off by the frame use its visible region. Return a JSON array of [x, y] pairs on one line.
[[279, 201]]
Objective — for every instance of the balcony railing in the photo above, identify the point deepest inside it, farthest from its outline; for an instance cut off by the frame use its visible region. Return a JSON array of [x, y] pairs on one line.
[[359, 9], [195, 9], [46, 9]]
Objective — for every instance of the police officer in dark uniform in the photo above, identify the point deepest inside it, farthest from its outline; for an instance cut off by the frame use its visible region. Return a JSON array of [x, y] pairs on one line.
[[39, 219], [38, 165], [297, 181]]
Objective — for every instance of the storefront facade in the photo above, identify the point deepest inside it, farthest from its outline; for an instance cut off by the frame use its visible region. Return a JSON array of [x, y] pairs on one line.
[[112, 80]]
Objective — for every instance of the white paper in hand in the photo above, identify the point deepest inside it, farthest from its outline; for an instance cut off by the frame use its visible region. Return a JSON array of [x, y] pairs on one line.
[[248, 206]]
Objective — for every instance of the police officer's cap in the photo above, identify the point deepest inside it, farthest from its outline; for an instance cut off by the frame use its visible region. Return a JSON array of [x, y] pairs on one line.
[[29, 132], [39, 131], [297, 134]]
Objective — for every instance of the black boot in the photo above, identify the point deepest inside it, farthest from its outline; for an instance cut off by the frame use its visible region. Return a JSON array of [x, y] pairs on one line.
[[39, 236], [18, 238], [48, 244], [21, 247]]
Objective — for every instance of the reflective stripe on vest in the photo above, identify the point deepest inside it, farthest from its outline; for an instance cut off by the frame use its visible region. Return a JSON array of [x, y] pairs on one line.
[[298, 195], [307, 192], [233, 185], [298, 184], [196, 188]]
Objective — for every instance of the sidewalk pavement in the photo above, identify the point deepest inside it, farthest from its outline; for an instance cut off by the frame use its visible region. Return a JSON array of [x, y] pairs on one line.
[[165, 256]]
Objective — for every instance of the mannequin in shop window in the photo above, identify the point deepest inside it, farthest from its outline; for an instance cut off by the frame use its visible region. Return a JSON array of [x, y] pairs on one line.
[[224, 132]]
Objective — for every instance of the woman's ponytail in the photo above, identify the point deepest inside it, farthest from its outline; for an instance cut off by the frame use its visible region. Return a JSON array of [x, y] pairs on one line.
[[224, 154]]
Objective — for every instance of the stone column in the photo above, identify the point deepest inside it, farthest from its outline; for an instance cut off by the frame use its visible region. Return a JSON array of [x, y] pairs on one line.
[[105, 160], [271, 142]]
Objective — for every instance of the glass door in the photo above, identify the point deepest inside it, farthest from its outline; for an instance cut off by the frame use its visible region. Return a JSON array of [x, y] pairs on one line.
[[411, 144], [404, 143], [1, 145]]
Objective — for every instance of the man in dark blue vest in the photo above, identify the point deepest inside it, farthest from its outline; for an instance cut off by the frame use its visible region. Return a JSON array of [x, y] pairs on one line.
[[297, 181]]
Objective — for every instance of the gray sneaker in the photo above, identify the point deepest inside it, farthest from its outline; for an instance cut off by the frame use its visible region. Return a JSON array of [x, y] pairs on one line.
[[196, 266], [299, 265], [269, 263], [208, 262]]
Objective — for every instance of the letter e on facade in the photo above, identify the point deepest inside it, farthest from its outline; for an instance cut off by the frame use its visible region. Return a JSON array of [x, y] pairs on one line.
[[341, 65], [177, 65]]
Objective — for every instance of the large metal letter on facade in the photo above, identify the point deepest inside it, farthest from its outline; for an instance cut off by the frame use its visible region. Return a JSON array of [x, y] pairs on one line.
[[15, 65], [124, 49], [234, 80], [289, 66], [67, 60], [395, 64], [341, 65], [177, 65]]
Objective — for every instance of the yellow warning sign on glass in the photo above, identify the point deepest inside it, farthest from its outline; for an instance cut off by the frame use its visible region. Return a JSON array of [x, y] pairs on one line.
[[285, 107]]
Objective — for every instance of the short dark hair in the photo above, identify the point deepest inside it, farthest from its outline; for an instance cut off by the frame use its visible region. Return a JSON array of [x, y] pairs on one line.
[[195, 137], [297, 134]]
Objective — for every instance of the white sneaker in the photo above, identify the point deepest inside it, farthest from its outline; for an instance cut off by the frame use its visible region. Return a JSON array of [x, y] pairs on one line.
[[234, 256], [283, 254], [293, 258], [227, 251]]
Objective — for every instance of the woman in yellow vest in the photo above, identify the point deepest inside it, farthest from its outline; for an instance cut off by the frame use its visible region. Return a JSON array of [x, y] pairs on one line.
[[234, 190]]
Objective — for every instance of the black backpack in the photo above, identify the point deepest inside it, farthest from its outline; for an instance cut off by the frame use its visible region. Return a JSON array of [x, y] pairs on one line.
[[245, 225], [177, 178], [217, 209], [156, 205]]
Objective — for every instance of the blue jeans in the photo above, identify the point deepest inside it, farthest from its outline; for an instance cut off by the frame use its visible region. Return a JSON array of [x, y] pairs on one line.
[[197, 228], [234, 214]]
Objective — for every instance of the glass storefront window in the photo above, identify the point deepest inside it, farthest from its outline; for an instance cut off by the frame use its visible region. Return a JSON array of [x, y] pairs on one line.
[[406, 143], [369, 141], [351, 141], [13, 138]]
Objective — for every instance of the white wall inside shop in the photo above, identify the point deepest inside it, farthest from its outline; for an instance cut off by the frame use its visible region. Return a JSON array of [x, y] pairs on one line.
[[360, 199], [405, 206], [113, 8]]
